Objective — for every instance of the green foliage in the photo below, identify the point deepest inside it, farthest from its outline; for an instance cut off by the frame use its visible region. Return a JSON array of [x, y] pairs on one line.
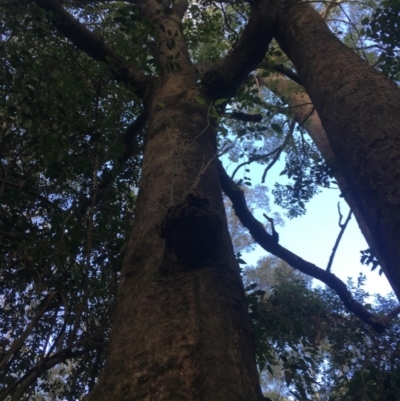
[[61, 137], [308, 341], [306, 171], [368, 258], [383, 28], [67, 203]]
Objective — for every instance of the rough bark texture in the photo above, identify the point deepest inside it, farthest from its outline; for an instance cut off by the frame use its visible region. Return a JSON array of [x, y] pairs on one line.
[[181, 330], [359, 109], [304, 113]]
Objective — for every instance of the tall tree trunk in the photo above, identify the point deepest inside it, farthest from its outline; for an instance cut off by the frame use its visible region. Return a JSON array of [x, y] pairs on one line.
[[304, 113], [359, 109], [181, 329]]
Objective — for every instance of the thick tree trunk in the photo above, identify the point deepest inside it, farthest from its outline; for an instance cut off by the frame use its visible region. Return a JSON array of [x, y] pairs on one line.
[[359, 109], [304, 113], [181, 329]]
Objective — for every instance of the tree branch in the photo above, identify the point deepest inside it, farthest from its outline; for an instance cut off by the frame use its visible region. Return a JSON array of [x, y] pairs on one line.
[[279, 151], [246, 55], [37, 195], [245, 117], [18, 343], [93, 45], [132, 148], [266, 241], [255, 158], [19, 387], [338, 239], [301, 109]]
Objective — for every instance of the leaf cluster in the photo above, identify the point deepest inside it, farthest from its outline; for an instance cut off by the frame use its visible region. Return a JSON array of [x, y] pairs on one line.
[[62, 234], [383, 28], [307, 339]]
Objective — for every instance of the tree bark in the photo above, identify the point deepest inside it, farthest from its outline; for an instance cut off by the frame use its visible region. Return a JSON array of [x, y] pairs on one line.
[[181, 329], [359, 110], [304, 113]]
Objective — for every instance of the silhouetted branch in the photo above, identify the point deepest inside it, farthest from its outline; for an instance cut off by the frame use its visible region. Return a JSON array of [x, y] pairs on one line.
[[278, 154], [37, 195], [132, 148], [266, 241], [93, 45], [19, 342], [245, 117], [255, 158], [337, 242]]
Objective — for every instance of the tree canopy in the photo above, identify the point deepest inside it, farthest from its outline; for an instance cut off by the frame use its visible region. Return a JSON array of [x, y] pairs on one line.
[[117, 118]]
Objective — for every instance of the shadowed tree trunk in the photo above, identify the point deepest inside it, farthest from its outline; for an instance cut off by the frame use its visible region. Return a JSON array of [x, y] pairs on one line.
[[181, 326], [359, 110], [181, 330]]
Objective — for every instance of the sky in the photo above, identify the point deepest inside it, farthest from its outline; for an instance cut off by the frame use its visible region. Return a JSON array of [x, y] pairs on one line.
[[313, 235]]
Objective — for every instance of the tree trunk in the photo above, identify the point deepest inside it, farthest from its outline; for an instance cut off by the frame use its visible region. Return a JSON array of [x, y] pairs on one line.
[[304, 113], [359, 109], [181, 330]]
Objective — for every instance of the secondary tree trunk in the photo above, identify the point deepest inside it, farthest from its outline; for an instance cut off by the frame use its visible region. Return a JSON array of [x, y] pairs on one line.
[[181, 330], [304, 113], [359, 109]]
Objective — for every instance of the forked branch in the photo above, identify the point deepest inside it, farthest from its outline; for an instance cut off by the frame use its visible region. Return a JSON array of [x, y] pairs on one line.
[[246, 54], [266, 241]]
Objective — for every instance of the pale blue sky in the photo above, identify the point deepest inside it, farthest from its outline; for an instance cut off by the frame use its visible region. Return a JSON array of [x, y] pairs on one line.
[[312, 236]]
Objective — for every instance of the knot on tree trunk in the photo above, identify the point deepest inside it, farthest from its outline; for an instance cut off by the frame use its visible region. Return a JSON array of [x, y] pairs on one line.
[[192, 230]]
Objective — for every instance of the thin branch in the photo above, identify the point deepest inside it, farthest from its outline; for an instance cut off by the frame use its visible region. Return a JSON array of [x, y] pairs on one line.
[[37, 195], [255, 158], [278, 154], [266, 241], [245, 117], [19, 387], [337, 242], [57, 341], [275, 235], [329, 8], [132, 148], [93, 45], [19, 342]]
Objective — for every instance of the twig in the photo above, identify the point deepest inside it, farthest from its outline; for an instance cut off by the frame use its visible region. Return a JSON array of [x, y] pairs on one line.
[[275, 235], [254, 159], [277, 156], [337, 242]]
